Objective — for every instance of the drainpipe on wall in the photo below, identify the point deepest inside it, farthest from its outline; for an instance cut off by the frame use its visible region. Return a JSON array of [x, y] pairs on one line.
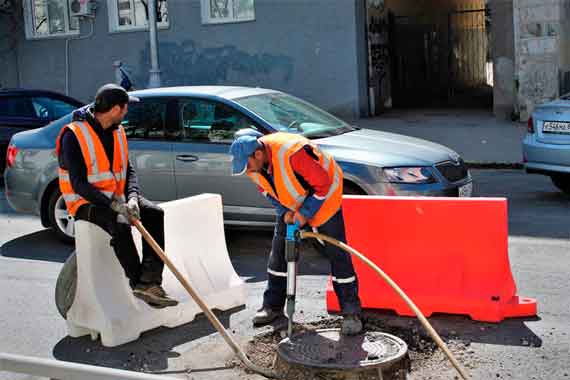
[[67, 41], [154, 80]]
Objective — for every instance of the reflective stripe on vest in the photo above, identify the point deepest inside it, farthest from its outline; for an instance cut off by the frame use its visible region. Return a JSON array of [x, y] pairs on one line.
[[108, 178], [282, 160], [290, 192]]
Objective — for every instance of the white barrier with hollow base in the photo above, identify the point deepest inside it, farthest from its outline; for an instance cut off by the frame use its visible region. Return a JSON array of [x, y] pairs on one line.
[[194, 241]]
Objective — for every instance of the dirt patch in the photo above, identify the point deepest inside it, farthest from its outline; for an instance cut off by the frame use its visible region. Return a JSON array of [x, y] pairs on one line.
[[424, 361]]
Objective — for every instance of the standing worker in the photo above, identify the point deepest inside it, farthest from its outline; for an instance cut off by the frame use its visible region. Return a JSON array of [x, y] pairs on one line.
[[96, 179], [305, 186]]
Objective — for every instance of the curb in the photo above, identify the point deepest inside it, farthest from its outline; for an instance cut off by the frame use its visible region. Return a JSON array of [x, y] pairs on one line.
[[495, 165]]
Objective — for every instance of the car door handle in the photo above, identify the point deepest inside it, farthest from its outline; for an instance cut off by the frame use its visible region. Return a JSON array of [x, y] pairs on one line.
[[187, 157]]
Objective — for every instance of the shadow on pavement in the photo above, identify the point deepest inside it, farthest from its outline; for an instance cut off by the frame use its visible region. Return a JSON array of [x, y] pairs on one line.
[[41, 245], [249, 252], [510, 332], [149, 353], [536, 208]]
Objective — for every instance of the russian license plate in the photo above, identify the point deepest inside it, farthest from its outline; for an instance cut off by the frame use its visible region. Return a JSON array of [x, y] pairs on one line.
[[556, 127], [466, 190]]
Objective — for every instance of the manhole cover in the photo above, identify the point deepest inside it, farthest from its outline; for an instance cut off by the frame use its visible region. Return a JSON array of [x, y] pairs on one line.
[[328, 349]]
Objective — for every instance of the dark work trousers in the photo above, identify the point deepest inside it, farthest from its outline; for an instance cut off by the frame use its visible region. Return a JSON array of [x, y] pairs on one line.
[[345, 282], [152, 217]]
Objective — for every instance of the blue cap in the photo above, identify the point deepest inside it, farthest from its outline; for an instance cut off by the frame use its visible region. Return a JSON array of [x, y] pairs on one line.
[[241, 149]]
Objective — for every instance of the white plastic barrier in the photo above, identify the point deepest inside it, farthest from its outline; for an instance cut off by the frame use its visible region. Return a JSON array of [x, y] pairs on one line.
[[194, 242]]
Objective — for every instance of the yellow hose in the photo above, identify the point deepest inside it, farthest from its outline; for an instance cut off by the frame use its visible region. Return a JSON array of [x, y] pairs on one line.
[[202, 304], [421, 317]]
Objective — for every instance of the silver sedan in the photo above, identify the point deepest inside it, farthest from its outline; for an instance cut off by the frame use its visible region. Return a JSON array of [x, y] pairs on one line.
[[179, 139]]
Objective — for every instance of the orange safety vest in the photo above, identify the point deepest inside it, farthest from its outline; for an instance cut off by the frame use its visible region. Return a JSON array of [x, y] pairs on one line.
[[290, 193], [111, 181]]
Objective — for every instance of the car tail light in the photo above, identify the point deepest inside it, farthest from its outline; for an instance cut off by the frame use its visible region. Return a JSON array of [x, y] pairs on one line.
[[11, 155], [530, 125]]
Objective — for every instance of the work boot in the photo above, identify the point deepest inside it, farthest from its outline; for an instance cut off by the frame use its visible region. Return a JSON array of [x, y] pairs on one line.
[[265, 316], [154, 295], [351, 325]]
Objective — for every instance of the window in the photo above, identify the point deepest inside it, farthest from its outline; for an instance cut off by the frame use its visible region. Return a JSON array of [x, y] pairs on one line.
[[210, 121], [16, 107], [51, 109], [221, 11], [287, 113], [49, 18], [128, 15], [146, 120]]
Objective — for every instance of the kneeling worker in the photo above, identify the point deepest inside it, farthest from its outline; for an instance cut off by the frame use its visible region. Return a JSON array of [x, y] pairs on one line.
[[305, 186], [96, 179]]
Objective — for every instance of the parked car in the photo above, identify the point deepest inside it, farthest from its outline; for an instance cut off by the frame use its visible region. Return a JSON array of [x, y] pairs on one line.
[[21, 110], [546, 146], [179, 140]]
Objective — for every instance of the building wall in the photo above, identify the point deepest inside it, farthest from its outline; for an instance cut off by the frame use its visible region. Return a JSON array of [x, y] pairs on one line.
[[541, 51], [10, 28], [503, 50], [310, 49]]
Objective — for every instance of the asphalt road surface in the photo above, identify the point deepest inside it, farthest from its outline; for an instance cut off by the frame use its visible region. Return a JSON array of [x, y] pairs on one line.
[[531, 348]]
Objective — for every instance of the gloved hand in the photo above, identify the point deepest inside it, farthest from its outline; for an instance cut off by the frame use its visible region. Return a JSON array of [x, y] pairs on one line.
[[299, 218], [134, 209], [289, 217], [121, 208]]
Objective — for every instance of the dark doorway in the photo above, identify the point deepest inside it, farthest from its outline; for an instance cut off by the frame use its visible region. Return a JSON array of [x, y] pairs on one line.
[[418, 63], [470, 60], [445, 63]]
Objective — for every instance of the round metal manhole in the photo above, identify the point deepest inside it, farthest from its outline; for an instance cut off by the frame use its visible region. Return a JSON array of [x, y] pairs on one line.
[[328, 349]]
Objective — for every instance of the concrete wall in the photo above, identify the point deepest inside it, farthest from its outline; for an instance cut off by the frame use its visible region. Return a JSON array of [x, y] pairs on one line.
[[540, 50], [564, 41], [11, 27], [503, 51], [312, 49]]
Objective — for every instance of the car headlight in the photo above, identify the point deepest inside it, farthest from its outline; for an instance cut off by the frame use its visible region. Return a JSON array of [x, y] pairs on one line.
[[416, 175]]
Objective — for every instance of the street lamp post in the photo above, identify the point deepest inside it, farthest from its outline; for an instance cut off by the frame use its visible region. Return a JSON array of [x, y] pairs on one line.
[[154, 80]]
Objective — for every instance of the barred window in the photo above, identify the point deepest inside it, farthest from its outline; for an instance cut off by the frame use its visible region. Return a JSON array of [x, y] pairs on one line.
[[49, 18], [225, 11], [128, 15]]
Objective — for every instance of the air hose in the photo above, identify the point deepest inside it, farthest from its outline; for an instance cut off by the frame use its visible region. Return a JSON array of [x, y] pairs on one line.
[[198, 299], [303, 235], [409, 302]]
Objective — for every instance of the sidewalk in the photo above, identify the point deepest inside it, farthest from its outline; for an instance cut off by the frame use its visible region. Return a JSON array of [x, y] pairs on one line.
[[475, 134]]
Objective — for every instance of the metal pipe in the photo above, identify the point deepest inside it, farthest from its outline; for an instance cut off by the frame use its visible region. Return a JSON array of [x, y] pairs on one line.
[[154, 79], [62, 370]]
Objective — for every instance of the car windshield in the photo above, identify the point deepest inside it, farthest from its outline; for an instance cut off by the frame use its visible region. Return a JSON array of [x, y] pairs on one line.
[[286, 113]]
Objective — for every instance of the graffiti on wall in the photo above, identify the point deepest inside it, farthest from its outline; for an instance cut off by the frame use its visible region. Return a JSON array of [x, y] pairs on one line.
[[187, 63], [379, 53], [379, 49]]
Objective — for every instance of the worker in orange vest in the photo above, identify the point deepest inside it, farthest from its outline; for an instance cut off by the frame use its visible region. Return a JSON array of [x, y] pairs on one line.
[[99, 185], [305, 186]]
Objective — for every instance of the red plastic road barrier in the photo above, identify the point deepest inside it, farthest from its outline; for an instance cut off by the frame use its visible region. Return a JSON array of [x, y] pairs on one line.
[[449, 255]]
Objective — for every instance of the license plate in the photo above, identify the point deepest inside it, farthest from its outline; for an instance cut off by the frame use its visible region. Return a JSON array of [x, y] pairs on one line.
[[465, 191], [556, 127]]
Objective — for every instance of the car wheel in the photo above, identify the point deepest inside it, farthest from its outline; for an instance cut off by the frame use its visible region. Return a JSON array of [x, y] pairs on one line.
[[62, 223], [562, 182], [66, 285]]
